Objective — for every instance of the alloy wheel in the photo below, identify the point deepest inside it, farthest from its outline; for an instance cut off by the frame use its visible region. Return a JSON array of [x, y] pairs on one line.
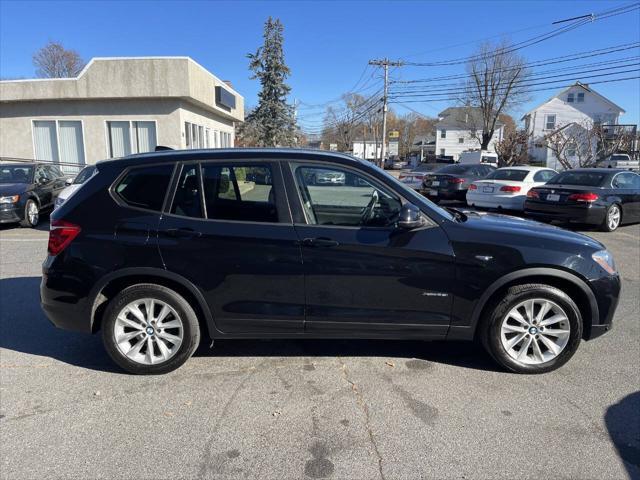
[[148, 331], [535, 331], [613, 217], [32, 213]]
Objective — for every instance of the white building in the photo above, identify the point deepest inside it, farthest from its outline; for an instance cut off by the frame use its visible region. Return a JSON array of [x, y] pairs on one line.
[[579, 105], [115, 107], [459, 130], [367, 150]]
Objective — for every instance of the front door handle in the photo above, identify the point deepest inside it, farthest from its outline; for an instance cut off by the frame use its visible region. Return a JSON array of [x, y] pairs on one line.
[[319, 242], [183, 233]]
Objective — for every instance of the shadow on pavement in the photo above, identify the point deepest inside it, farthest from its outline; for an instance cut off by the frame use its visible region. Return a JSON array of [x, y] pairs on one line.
[[43, 225], [25, 328], [623, 424]]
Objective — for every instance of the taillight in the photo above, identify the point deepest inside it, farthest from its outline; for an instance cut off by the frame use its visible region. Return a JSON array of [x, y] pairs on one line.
[[456, 180], [510, 188], [402, 177], [61, 235], [584, 197], [473, 187], [533, 194]]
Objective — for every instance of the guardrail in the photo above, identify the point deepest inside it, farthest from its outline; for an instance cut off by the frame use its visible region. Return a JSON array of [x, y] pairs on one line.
[[67, 168]]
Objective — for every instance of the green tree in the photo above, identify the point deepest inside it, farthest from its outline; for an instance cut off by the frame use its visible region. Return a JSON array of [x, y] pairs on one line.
[[272, 123]]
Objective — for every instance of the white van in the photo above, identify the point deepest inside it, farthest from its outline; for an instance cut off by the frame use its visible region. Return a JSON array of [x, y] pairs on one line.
[[479, 156]]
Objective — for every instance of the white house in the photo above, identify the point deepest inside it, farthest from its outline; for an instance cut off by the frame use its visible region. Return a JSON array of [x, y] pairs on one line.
[[458, 130], [579, 105]]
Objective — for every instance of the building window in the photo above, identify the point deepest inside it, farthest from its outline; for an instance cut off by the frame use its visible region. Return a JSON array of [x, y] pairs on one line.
[[443, 134], [127, 137], [460, 140], [59, 141], [571, 151], [550, 122], [442, 152], [570, 97], [580, 97]]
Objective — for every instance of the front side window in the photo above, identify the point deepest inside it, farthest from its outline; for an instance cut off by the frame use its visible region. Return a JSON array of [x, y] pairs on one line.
[[239, 192], [145, 187], [127, 137], [333, 196]]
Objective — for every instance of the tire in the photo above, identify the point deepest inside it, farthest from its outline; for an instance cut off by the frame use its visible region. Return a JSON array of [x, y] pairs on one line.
[[31, 214], [179, 311], [609, 224], [542, 360]]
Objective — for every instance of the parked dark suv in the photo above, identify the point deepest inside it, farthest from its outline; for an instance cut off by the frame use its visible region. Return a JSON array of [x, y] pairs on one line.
[[189, 243]]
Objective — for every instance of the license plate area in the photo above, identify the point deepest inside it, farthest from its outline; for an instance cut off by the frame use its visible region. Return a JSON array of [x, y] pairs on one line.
[[435, 183], [553, 197], [433, 193], [487, 189]]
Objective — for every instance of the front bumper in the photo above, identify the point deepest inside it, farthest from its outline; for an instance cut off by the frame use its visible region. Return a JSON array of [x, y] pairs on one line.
[[583, 213], [11, 214], [607, 293]]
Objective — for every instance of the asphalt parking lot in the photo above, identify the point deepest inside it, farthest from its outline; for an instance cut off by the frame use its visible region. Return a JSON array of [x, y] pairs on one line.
[[311, 409]]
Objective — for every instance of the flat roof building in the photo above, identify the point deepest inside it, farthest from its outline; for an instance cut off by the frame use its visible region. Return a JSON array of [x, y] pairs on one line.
[[116, 107]]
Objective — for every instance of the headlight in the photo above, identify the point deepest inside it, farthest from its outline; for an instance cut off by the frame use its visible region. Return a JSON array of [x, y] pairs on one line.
[[11, 199], [605, 260]]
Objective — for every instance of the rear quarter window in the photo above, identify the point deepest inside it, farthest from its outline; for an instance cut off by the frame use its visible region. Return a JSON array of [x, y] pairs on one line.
[[145, 187]]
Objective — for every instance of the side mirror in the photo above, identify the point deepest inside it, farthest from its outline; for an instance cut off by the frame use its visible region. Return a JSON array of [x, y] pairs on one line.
[[42, 180], [68, 181], [410, 217]]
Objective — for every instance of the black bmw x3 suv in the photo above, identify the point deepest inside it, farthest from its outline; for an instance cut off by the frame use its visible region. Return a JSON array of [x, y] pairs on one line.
[[157, 250]]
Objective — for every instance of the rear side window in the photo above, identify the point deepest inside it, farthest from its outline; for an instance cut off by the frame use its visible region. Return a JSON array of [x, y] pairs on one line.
[[186, 201], [242, 193], [544, 175], [626, 180], [145, 187]]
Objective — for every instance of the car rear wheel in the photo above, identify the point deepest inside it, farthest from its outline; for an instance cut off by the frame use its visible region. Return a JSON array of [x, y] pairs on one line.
[[533, 328], [150, 329], [612, 219], [31, 214]]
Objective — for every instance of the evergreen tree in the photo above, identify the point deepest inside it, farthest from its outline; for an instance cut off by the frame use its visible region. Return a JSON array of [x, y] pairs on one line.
[[272, 123]]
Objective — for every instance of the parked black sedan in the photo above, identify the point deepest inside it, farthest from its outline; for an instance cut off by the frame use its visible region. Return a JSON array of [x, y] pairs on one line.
[[452, 182], [596, 196], [27, 189]]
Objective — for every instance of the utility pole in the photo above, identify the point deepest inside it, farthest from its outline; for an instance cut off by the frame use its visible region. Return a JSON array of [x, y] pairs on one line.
[[384, 63]]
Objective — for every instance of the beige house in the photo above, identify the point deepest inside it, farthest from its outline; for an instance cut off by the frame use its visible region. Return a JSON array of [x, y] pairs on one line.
[[116, 107]]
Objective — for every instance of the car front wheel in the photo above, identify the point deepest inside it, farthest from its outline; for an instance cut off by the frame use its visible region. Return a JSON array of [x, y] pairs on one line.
[[150, 329], [533, 328], [31, 214]]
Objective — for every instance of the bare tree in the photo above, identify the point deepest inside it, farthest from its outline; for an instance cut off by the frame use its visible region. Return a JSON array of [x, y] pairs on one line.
[[513, 148], [582, 144], [54, 61], [495, 85]]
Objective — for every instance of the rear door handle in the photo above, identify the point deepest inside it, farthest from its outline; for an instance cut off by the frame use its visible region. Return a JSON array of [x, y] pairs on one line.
[[319, 242], [183, 233]]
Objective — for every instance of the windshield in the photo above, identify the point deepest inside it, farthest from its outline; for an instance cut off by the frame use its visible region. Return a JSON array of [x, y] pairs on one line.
[[453, 169], [589, 179], [84, 175], [16, 173], [508, 174]]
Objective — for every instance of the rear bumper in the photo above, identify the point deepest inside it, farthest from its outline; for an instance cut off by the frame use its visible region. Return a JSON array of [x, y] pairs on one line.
[[64, 309], [444, 193], [508, 202], [587, 213]]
